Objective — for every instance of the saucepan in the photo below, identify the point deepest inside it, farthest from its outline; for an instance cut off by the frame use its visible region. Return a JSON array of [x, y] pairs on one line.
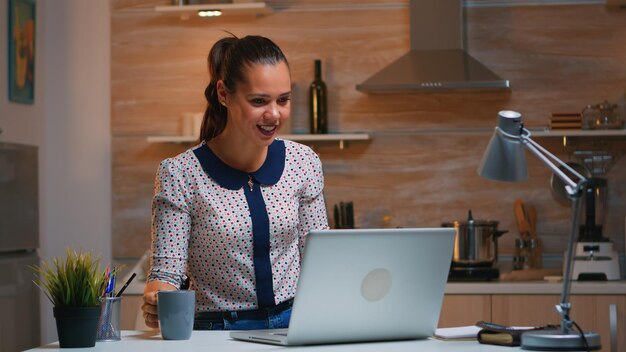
[[476, 242]]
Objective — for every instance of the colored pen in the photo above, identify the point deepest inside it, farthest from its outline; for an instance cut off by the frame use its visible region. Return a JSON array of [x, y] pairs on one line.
[[112, 284], [126, 284], [106, 282]]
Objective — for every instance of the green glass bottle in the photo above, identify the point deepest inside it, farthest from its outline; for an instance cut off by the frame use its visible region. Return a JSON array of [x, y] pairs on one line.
[[318, 107]]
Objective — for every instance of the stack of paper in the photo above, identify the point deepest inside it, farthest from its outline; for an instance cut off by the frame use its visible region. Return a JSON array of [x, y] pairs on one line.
[[460, 332]]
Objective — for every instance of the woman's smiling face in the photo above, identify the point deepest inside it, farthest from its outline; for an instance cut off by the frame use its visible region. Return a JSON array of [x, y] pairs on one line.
[[258, 108]]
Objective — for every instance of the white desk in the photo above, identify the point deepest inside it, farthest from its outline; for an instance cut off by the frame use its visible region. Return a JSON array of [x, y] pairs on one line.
[[214, 341]]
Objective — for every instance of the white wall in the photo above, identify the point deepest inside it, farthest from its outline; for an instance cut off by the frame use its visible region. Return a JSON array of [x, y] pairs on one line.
[[70, 122]]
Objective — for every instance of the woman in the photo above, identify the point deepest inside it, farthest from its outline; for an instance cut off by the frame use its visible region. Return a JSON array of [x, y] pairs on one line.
[[232, 213]]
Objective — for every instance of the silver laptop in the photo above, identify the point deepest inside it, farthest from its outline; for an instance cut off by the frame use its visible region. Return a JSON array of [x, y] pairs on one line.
[[366, 285]]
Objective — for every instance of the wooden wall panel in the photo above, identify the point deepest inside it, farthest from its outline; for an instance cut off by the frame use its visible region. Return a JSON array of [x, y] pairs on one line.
[[159, 73]]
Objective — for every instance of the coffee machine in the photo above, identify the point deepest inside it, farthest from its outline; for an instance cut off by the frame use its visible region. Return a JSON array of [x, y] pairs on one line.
[[594, 256]]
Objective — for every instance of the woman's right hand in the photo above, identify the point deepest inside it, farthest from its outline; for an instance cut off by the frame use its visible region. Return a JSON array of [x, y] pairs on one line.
[[149, 307]]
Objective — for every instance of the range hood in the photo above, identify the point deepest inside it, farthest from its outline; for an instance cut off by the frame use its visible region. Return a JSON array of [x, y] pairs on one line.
[[437, 60]]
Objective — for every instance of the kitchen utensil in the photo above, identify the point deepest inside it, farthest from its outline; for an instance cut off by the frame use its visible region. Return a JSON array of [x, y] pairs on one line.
[[602, 116], [530, 274], [531, 219], [528, 247], [527, 254], [520, 216], [476, 242], [535, 248]]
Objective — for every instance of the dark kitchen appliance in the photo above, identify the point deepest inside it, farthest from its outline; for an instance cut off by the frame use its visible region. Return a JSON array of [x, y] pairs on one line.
[[595, 257], [475, 250]]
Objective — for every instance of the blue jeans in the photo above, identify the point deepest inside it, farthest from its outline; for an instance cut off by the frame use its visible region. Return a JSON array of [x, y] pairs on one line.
[[276, 319]]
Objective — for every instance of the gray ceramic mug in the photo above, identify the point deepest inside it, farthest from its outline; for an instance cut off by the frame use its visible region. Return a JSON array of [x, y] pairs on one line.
[[176, 311]]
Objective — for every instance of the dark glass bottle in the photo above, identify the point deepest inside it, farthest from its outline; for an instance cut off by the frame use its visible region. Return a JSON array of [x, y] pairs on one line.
[[318, 107]]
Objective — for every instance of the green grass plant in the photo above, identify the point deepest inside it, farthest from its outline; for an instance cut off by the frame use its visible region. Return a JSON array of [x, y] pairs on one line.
[[73, 281]]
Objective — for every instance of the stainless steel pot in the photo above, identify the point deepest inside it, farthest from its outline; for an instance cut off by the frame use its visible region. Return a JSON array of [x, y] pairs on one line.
[[476, 242]]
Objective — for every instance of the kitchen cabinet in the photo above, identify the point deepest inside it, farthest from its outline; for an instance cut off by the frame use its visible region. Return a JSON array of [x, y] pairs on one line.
[[591, 312]]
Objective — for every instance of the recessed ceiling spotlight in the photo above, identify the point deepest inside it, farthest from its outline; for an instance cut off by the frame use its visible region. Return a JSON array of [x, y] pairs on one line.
[[209, 13]]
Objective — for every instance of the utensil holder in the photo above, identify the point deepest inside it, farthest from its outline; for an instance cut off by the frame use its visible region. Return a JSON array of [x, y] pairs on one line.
[[109, 324], [527, 254]]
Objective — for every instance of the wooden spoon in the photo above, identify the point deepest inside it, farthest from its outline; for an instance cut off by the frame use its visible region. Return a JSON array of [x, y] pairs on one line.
[[520, 216], [531, 216]]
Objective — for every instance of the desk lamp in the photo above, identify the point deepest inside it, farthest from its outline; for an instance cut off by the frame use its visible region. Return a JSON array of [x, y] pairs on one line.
[[504, 160]]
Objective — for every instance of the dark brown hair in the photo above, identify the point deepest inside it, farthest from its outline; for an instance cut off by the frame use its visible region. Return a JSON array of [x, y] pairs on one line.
[[228, 60]]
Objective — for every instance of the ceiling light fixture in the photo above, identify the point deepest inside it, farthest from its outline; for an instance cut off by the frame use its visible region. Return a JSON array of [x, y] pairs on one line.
[[214, 10], [209, 13]]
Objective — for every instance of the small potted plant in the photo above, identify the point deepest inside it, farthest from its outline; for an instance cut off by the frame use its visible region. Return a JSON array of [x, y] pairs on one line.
[[74, 285]]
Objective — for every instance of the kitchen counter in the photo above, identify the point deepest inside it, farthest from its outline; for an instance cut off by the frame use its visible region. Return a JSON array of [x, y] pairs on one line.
[[150, 341], [536, 288], [502, 288]]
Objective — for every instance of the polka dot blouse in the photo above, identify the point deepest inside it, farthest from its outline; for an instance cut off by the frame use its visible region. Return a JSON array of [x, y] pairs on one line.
[[202, 223]]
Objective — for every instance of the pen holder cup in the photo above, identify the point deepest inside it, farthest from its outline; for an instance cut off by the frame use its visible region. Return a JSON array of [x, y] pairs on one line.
[[109, 324]]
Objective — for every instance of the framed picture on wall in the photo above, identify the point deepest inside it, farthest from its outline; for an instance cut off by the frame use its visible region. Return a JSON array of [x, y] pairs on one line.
[[22, 51]]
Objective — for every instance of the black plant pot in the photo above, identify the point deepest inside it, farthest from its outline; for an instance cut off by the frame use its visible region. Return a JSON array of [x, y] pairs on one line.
[[77, 326]]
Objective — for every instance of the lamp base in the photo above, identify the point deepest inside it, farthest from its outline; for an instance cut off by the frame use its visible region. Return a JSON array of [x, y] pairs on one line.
[[556, 340]]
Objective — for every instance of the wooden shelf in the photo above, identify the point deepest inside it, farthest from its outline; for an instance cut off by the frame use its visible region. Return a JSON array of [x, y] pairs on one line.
[[326, 137], [577, 133], [330, 137], [535, 131], [244, 9]]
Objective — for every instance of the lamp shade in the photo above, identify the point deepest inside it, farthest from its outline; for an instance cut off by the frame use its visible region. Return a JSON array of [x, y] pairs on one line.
[[504, 158]]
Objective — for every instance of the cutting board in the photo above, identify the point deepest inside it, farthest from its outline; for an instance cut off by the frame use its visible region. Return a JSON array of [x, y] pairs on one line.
[[530, 274]]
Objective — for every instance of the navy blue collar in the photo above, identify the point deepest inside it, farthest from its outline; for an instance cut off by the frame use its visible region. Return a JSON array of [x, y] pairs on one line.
[[268, 174]]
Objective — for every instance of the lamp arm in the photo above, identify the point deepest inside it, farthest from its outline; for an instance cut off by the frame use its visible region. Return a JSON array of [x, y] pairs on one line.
[[549, 159], [564, 307], [574, 189]]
